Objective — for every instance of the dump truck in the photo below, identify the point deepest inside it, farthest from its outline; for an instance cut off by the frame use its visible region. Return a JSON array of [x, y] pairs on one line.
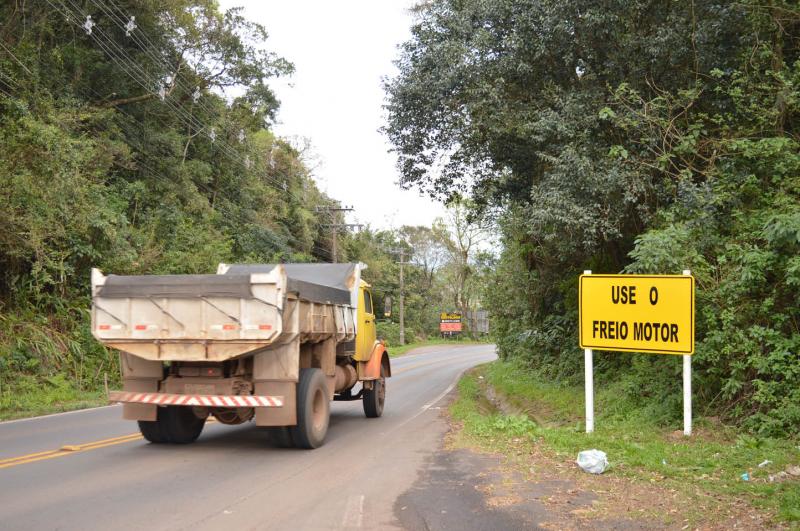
[[273, 343]]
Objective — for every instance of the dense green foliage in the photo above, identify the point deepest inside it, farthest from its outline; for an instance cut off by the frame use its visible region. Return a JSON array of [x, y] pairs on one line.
[[634, 136], [97, 170]]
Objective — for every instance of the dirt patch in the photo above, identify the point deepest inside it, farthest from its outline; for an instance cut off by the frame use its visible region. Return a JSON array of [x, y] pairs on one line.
[[553, 493], [470, 489]]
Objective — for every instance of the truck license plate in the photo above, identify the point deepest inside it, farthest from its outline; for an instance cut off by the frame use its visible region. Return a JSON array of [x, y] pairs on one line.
[[199, 389]]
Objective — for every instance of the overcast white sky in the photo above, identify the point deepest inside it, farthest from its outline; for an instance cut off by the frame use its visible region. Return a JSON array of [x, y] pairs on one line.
[[341, 50]]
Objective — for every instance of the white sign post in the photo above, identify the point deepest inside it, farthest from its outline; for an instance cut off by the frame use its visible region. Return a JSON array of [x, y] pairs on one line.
[[687, 387], [589, 377]]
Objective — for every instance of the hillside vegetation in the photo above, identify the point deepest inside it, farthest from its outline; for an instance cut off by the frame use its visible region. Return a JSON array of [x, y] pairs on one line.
[[122, 152], [624, 136]]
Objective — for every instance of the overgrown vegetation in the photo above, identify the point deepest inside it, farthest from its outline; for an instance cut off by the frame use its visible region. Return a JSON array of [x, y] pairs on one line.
[[627, 136], [708, 466], [122, 152]]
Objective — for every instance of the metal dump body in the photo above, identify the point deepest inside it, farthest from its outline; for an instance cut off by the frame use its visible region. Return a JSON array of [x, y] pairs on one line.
[[242, 310], [325, 283]]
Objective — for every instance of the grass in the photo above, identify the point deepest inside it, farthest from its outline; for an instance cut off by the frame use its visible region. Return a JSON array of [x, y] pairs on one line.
[[399, 350], [30, 397], [711, 462]]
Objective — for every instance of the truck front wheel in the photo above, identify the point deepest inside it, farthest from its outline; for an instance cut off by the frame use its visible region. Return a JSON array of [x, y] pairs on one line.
[[375, 398], [313, 410], [173, 424]]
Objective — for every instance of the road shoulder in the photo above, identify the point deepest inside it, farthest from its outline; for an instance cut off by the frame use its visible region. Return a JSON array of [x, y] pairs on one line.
[[503, 479], [465, 486]]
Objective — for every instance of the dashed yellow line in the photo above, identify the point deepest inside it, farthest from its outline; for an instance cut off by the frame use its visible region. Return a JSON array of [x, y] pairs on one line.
[[68, 450], [71, 449]]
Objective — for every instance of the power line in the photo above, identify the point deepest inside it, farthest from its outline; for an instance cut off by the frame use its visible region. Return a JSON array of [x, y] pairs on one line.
[[148, 47], [149, 50], [119, 57], [236, 215], [10, 82], [20, 63], [137, 73]]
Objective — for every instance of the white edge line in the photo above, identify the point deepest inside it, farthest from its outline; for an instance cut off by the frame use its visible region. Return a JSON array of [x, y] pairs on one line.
[[360, 521], [57, 414], [353, 512]]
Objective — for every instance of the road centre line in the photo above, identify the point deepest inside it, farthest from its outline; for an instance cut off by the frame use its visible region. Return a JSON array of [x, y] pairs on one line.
[[70, 449], [397, 361], [74, 449]]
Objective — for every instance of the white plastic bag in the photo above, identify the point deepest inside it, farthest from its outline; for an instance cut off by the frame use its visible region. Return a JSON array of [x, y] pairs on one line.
[[592, 461]]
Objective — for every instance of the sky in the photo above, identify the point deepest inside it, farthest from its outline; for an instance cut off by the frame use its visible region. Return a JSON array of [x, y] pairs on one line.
[[341, 50]]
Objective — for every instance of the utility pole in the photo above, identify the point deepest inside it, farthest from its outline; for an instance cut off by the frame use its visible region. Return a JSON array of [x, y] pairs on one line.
[[335, 229], [402, 262], [336, 226], [402, 302]]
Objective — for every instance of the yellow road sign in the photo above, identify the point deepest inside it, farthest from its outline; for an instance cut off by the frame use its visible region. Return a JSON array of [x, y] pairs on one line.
[[637, 313]]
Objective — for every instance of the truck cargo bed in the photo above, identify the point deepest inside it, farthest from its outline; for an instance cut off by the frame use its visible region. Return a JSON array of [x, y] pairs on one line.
[[241, 310]]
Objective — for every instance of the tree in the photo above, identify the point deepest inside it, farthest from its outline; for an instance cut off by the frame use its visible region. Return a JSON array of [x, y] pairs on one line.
[[612, 136], [461, 237]]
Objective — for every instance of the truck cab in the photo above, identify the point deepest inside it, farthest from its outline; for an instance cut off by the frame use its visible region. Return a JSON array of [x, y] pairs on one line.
[[366, 334]]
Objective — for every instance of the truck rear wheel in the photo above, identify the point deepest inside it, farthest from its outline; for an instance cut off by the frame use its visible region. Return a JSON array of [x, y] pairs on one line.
[[313, 410], [375, 398], [280, 436], [173, 424], [151, 431]]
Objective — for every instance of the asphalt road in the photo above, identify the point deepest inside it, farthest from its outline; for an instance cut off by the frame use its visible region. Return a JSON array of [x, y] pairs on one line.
[[91, 470]]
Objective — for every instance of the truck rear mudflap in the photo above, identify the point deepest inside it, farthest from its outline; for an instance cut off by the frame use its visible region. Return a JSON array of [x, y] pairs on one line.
[[165, 399]]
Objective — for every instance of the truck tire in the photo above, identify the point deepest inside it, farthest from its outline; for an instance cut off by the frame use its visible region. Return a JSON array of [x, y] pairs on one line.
[[375, 398], [151, 431], [173, 424], [280, 436], [313, 410]]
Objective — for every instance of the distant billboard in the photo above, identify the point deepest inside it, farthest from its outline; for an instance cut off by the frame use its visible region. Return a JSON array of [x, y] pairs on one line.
[[450, 322]]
